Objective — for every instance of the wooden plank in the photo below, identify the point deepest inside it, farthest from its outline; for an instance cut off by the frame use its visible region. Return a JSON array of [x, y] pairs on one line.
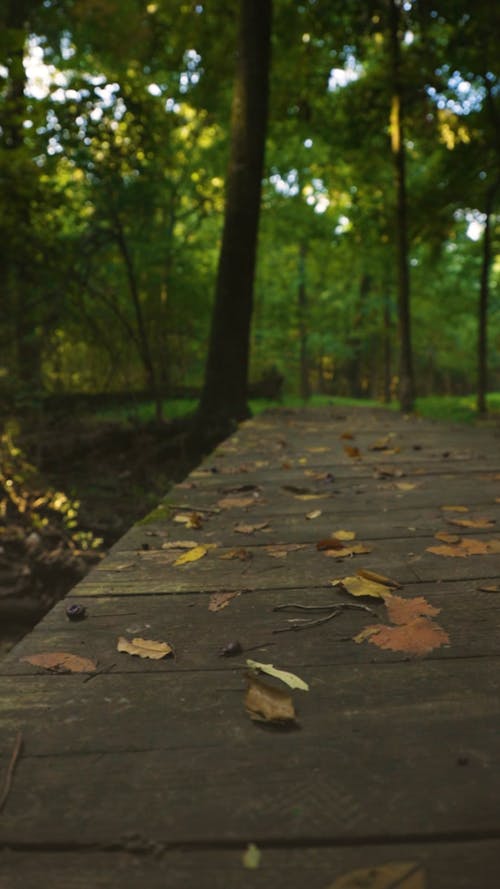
[[464, 865], [470, 617]]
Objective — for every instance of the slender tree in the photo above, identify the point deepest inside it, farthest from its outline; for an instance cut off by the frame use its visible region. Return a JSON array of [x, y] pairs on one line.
[[224, 395]]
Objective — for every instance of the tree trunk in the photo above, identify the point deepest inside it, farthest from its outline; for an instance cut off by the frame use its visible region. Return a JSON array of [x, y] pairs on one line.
[[387, 352], [305, 387], [224, 396], [482, 340], [406, 379]]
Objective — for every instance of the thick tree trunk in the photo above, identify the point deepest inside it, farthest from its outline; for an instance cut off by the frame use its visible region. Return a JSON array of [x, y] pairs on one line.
[[406, 379], [224, 396], [305, 386], [482, 340]]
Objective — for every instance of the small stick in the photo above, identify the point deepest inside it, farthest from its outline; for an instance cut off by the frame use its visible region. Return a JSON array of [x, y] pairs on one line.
[[339, 605], [16, 751], [308, 623], [194, 508]]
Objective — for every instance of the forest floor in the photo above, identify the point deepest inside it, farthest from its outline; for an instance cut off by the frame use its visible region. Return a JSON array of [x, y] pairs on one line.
[[109, 473]]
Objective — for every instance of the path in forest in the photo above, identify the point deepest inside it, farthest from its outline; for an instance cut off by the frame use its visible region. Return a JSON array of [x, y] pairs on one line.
[[151, 773]]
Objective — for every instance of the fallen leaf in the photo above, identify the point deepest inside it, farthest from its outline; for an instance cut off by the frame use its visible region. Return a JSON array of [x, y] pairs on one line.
[[403, 611], [478, 522], [329, 543], [252, 857], [264, 703], [318, 496], [244, 555], [315, 514], [352, 452], [361, 586], [144, 648], [444, 537], [192, 555], [123, 566], [400, 874], [190, 520], [493, 545], [346, 435], [281, 550], [318, 450], [355, 550], [365, 634], [405, 486], [236, 502], [302, 461], [382, 444], [242, 528], [489, 588], [289, 679], [218, 601], [241, 489], [179, 544], [61, 662], [467, 546], [387, 472], [418, 637], [378, 578], [455, 508], [344, 535]]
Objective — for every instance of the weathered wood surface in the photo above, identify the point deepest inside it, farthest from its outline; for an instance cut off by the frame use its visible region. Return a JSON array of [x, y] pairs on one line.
[[150, 773]]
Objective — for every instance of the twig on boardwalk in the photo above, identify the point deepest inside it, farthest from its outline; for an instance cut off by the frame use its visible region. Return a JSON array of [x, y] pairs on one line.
[[307, 623], [16, 751], [194, 508]]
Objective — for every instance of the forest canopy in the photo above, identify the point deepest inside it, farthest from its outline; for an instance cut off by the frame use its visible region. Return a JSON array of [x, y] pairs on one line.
[[379, 196]]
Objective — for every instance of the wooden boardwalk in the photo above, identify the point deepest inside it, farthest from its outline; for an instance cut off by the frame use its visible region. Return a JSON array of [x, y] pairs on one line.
[[151, 774]]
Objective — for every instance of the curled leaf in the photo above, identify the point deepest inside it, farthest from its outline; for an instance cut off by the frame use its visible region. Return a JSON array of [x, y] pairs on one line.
[[145, 648], [478, 522], [378, 578], [190, 520], [355, 550], [192, 555], [315, 514], [218, 601], [361, 586], [289, 679], [242, 528], [244, 555], [265, 703]]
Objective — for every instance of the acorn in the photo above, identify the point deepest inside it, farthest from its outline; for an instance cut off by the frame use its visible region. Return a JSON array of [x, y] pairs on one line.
[[231, 649], [75, 612]]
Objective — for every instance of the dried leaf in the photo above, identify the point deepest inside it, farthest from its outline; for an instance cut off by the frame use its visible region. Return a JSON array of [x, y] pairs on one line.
[[315, 514], [400, 874], [218, 601], [361, 586], [405, 486], [478, 522], [190, 520], [244, 555], [455, 508], [378, 578], [236, 502], [281, 550], [318, 450], [418, 637], [347, 436], [404, 611], [329, 543], [318, 496], [352, 452], [444, 537], [388, 472], [467, 546], [265, 703], [61, 662], [192, 555], [145, 648], [355, 550], [289, 679], [251, 857], [489, 588], [344, 535], [123, 566], [179, 544], [382, 444], [242, 528]]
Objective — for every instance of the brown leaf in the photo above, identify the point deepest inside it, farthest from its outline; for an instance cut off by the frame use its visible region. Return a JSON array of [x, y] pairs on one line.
[[218, 601], [265, 703], [388, 472], [400, 874], [403, 611], [346, 435], [242, 528], [455, 508], [352, 452], [418, 637], [478, 522], [145, 648], [383, 444], [467, 546], [236, 502], [489, 588], [281, 550], [378, 578], [329, 543], [355, 550], [189, 519], [444, 537], [61, 662], [179, 544], [244, 555]]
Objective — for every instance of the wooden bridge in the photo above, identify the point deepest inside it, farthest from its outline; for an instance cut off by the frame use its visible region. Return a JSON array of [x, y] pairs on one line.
[[197, 771]]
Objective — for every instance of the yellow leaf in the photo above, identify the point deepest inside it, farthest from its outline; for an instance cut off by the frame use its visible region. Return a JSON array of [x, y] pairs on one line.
[[192, 555], [355, 550], [264, 703], [315, 514], [403, 874], [190, 520], [289, 679], [144, 648], [455, 508], [378, 578], [489, 588], [478, 522], [251, 857], [405, 486], [344, 535], [360, 586]]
